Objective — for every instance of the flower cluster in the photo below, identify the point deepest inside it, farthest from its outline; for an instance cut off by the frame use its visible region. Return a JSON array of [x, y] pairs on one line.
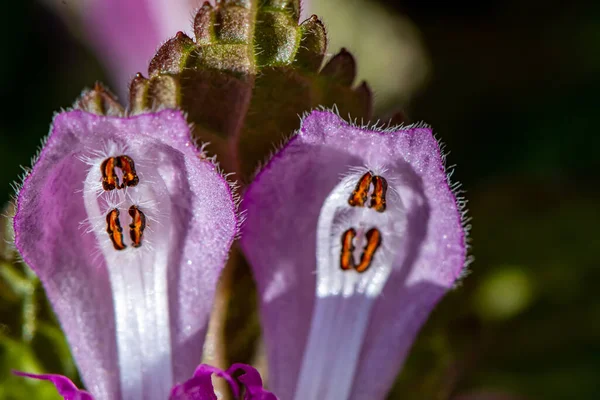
[[353, 235]]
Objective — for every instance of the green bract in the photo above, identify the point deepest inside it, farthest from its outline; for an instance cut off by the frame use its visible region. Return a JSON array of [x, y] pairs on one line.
[[251, 71]]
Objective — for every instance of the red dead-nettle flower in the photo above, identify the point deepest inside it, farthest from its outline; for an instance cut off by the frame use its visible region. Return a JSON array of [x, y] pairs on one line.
[[354, 235], [128, 227]]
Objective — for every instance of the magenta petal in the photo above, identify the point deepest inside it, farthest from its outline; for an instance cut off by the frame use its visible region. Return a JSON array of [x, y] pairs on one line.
[[64, 386], [200, 387], [135, 318], [252, 382], [338, 334]]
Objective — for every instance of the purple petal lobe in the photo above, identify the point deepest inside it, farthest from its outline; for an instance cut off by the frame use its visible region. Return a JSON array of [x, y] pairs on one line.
[[252, 382], [200, 387], [354, 235], [64, 386], [128, 230]]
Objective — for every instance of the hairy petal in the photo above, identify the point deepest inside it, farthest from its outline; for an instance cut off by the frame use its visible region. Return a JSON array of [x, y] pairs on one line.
[[130, 272], [64, 386], [200, 387], [345, 285]]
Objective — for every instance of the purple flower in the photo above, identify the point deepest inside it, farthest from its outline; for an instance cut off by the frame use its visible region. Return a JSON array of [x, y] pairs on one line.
[[354, 235], [127, 33], [198, 387], [128, 228]]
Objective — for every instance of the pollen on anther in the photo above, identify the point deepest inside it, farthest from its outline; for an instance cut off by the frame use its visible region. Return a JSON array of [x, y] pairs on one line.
[[373, 242], [373, 237], [379, 192], [137, 226], [361, 191], [127, 165], [110, 181], [347, 258], [114, 230]]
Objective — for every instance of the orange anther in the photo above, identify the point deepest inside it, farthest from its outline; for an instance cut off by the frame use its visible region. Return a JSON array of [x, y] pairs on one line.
[[114, 230], [137, 226], [110, 180], [379, 192], [127, 165], [373, 243], [347, 258], [361, 191]]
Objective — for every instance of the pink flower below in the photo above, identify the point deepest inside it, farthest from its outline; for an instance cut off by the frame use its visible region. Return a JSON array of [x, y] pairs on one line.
[[198, 387]]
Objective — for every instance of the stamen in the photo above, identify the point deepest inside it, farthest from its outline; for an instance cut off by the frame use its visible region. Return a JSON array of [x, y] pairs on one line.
[[114, 230], [346, 290], [347, 258], [127, 165], [378, 196], [360, 193], [110, 181], [374, 241], [138, 274], [137, 226]]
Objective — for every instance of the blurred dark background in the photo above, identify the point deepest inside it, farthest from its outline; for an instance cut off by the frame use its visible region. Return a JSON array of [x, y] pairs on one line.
[[512, 88]]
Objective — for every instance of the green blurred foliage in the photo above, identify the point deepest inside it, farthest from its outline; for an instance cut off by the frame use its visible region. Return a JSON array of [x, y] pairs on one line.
[[511, 89], [524, 321]]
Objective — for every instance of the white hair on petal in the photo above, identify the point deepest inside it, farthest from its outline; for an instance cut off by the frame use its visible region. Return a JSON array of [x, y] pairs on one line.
[[380, 126]]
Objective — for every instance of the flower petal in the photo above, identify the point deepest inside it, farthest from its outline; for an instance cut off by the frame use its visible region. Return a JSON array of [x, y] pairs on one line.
[[64, 386], [252, 382], [345, 332], [200, 387], [62, 257], [158, 285], [127, 33]]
